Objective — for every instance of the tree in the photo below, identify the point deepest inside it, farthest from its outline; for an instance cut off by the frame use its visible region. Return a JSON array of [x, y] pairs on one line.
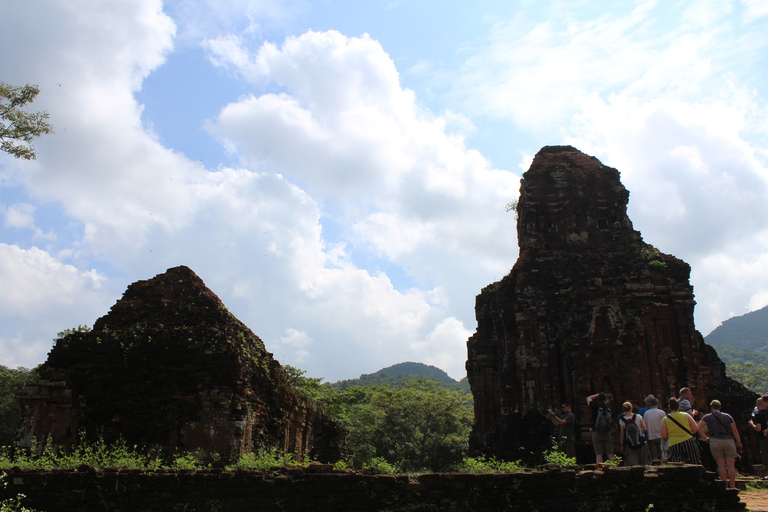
[[18, 128], [753, 376], [417, 425], [413, 425], [10, 410], [426, 425]]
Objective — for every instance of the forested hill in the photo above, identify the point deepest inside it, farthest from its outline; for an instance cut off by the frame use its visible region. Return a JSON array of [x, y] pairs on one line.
[[398, 373], [748, 331]]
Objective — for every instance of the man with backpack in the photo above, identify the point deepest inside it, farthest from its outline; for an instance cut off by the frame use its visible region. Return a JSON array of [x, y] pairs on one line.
[[602, 424]]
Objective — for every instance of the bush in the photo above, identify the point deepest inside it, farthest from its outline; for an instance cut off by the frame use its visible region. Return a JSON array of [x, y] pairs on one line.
[[263, 460], [483, 464], [379, 466]]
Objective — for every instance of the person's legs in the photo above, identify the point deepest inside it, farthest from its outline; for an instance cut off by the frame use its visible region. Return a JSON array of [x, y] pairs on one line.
[[654, 449], [570, 447], [764, 450], [722, 471], [730, 464], [602, 443]]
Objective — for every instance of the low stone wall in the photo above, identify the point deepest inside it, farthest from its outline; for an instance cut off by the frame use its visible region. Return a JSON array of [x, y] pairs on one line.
[[320, 489]]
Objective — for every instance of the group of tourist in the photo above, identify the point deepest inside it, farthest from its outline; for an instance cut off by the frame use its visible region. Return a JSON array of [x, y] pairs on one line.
[[673, 435]]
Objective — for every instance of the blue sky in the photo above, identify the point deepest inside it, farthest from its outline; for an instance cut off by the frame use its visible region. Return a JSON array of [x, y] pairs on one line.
[[337, 171]]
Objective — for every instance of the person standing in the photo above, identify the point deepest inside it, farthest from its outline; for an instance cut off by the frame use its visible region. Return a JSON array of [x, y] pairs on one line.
[[724, 441], [632, 440], [602, 424], [685, 402], [679, 429], [759, 423], [566, 433], [647, 407], [653, 418]]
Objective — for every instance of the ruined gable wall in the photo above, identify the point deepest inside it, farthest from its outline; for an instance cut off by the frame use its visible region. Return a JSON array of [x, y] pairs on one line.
[[170, 367], [587, 307]]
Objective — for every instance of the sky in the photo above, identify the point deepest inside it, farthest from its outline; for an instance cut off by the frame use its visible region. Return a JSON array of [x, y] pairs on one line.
[[337, 171]]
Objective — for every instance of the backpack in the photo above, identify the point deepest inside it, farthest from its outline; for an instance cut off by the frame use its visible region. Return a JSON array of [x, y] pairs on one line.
[[603, 421], [633, 437]]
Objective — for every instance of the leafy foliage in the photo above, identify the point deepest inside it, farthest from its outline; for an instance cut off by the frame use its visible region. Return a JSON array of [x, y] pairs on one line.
[[98, 454], [266, 459], [379, 466], [18, 128], [732, 355], [753, 376], [746, 366], [417, 424], [559, 458], [10, 410], [483, 464]]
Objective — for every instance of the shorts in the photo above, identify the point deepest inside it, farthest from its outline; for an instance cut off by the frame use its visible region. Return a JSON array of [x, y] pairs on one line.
[[602, 442], [722, 448]]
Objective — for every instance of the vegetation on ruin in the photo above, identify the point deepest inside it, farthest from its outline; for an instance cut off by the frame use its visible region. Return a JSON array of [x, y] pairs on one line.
[[120, 456]]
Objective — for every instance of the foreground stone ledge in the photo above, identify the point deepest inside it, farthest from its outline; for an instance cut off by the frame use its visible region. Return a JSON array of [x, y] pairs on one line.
[[631, 489]]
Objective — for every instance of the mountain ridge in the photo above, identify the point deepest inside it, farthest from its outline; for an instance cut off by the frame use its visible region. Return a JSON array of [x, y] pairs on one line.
[[748, 331], [400, 372]]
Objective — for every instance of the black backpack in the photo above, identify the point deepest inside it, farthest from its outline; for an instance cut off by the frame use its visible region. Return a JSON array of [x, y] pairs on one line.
[[633, 437], [603, 421]]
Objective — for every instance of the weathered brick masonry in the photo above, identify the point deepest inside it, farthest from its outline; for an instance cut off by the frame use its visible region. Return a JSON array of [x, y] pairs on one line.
[[587, 307], [319, 490], [171, 368]]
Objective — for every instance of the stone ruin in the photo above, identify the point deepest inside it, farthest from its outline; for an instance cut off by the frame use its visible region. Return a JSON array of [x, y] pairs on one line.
[[171, 368], [587, 307]]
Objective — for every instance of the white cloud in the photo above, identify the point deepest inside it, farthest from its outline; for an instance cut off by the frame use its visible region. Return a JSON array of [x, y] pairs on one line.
[[21, 215], [537, 73], [297, 342], [697, 189], [359, 227], [754, 10], [41, 297], [363, 142], [439, 347]]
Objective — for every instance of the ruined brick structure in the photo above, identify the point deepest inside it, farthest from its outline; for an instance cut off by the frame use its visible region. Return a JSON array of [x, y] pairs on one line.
[[170, 367], [587, 307]]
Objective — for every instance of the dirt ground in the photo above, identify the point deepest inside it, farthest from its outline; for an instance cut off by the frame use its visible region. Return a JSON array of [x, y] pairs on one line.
[[757, 501]]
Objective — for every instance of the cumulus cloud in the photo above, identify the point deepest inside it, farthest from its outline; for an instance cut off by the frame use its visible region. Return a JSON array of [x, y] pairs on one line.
[[42, 297], [668, 101], [697, 190], [363, 143], [333, 138], [390, 174], [357, 227]]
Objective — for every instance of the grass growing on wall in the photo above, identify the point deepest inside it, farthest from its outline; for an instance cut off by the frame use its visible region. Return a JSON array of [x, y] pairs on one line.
[[119, 455]]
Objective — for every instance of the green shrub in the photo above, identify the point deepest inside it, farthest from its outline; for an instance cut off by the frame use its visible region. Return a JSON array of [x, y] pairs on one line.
[[263, 460], [559, 458], [483, 464], [379, 466]]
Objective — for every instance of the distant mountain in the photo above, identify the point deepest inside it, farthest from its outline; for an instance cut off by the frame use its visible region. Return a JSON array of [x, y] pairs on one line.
[[735, 355], [398, 373], [748, 331]]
